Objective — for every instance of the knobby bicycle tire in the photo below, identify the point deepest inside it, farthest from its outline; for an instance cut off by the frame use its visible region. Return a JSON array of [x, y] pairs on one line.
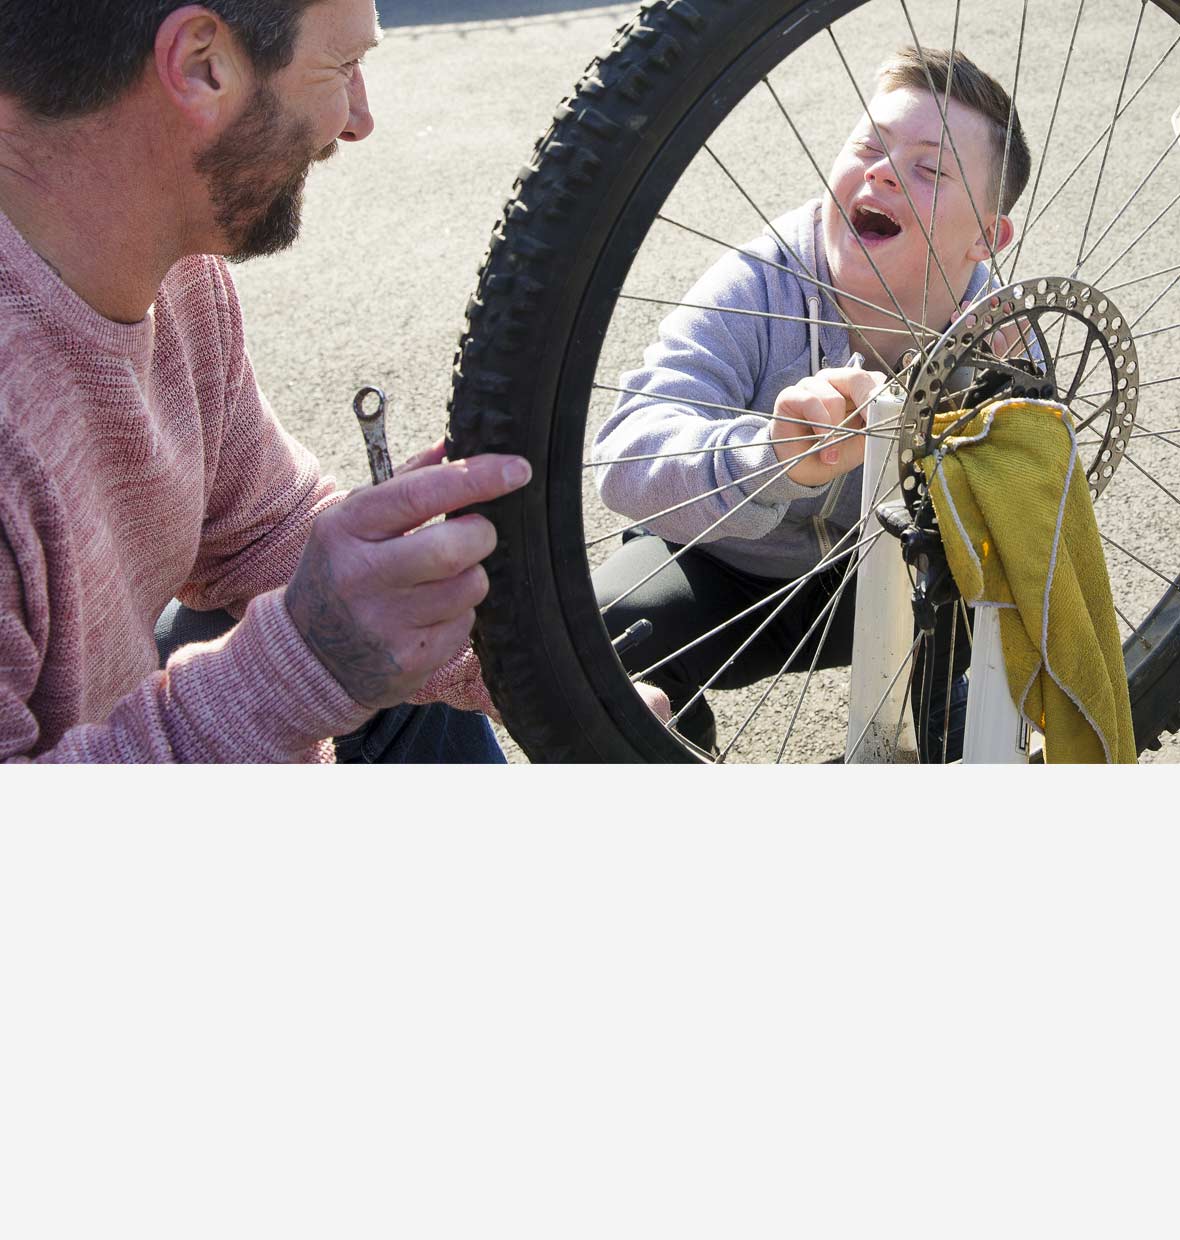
[[578, 212]]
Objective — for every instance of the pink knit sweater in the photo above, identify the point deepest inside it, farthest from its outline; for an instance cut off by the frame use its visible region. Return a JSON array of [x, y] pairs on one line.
[[137, 463]]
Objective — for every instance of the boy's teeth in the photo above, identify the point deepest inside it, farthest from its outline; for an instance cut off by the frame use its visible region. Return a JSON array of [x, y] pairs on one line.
[[871, 222]]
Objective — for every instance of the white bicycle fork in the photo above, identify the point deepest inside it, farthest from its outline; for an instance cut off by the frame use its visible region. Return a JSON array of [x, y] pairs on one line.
[[880, 722]]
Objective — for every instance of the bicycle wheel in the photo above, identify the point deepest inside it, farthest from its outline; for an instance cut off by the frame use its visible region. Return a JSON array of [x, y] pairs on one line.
[[703, 123]]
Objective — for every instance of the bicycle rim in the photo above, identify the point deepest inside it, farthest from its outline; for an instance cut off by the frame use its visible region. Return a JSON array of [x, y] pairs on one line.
[[593, 250]]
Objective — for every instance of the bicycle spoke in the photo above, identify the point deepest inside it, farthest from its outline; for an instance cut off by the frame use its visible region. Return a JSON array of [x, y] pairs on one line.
[[777, 470], [1155, 301], [850, 568], [930, 251], [1135, 323], [954, 148], [1048, 138], [922, 722], [1011, 115], [1110, 137], [827, 613], [765, 314], [1163, 271], [807, 683], [708, 404], [731, 659], [1149, 476], [1145, 384], [1083, 358], [885, 696], [843, 214], [1123, 209], [1100, 411], [1157, 331], [811, 277], [1098, 141], [769, 262], [906, 701], [1171, 582], [723, 447], [950, 74], [790, 588], [950, 684], [1142, 432]]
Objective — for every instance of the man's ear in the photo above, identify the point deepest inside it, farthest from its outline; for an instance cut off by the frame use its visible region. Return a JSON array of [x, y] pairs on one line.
[[1002, 231], [199, 66]]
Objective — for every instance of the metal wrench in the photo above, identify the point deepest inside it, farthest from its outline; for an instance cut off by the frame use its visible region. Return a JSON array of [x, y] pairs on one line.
[[373, 428]]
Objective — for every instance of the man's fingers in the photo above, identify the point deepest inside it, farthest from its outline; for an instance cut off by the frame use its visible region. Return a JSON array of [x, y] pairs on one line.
[[436, 552], [440, 602], [411, 499]]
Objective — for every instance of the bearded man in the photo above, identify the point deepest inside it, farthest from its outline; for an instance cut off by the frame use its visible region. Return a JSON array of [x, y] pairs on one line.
[[141, 143]]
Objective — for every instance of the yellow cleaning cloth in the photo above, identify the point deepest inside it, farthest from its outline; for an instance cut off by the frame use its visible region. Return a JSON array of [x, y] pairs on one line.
[[1017, 521]]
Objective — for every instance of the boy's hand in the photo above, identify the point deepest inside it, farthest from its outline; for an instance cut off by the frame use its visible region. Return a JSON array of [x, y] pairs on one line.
[[812, 407], [381, 598]]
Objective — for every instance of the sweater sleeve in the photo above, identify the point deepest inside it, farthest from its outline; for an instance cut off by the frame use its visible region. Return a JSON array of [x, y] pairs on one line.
[[256, 695], [682, 413], [264, 489]]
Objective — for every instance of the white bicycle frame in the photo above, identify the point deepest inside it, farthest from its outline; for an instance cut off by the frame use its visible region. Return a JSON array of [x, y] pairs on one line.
[[880, 723]]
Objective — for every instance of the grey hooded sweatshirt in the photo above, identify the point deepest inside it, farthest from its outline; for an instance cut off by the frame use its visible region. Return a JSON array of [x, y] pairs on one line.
[[765, 523]]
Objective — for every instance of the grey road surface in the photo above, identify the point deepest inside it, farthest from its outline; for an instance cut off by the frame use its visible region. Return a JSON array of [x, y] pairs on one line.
[[395, 227]]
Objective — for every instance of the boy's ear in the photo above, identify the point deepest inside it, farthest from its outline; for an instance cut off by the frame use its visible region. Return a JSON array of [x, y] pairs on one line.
[[1002, 231], [199, 66]]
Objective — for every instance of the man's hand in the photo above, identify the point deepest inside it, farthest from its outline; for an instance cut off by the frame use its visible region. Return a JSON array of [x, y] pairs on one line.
[[382, 603], [810, 409]]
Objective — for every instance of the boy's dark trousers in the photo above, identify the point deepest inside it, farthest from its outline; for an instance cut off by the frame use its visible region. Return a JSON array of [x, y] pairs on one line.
[[697, 593]]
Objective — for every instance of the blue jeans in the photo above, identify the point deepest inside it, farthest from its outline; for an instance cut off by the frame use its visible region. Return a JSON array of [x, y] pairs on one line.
[[405, 733]]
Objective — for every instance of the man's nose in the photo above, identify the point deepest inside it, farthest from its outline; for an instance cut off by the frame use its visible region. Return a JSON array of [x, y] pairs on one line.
[[360, 119]]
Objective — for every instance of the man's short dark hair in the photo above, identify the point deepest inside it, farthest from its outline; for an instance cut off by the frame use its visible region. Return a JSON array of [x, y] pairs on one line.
[[921, 67], [65, 58]]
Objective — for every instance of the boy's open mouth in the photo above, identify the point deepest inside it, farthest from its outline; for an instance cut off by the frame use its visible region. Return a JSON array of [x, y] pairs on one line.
[[870, 222]]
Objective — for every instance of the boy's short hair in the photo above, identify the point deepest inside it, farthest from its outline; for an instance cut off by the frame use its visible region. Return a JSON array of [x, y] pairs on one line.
[[969, 85]]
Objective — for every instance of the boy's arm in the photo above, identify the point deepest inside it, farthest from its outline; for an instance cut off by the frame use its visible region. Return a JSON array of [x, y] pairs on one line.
[[726, 464]]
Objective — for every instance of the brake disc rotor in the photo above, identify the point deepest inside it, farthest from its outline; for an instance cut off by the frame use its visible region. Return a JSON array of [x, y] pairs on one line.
[[961, 372]]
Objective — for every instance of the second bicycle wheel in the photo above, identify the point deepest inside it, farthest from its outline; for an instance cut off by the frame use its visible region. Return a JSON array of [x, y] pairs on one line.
[[692, 139]]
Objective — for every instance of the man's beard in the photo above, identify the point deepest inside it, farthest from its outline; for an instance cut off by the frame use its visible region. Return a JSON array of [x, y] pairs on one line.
[[258, 202]]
